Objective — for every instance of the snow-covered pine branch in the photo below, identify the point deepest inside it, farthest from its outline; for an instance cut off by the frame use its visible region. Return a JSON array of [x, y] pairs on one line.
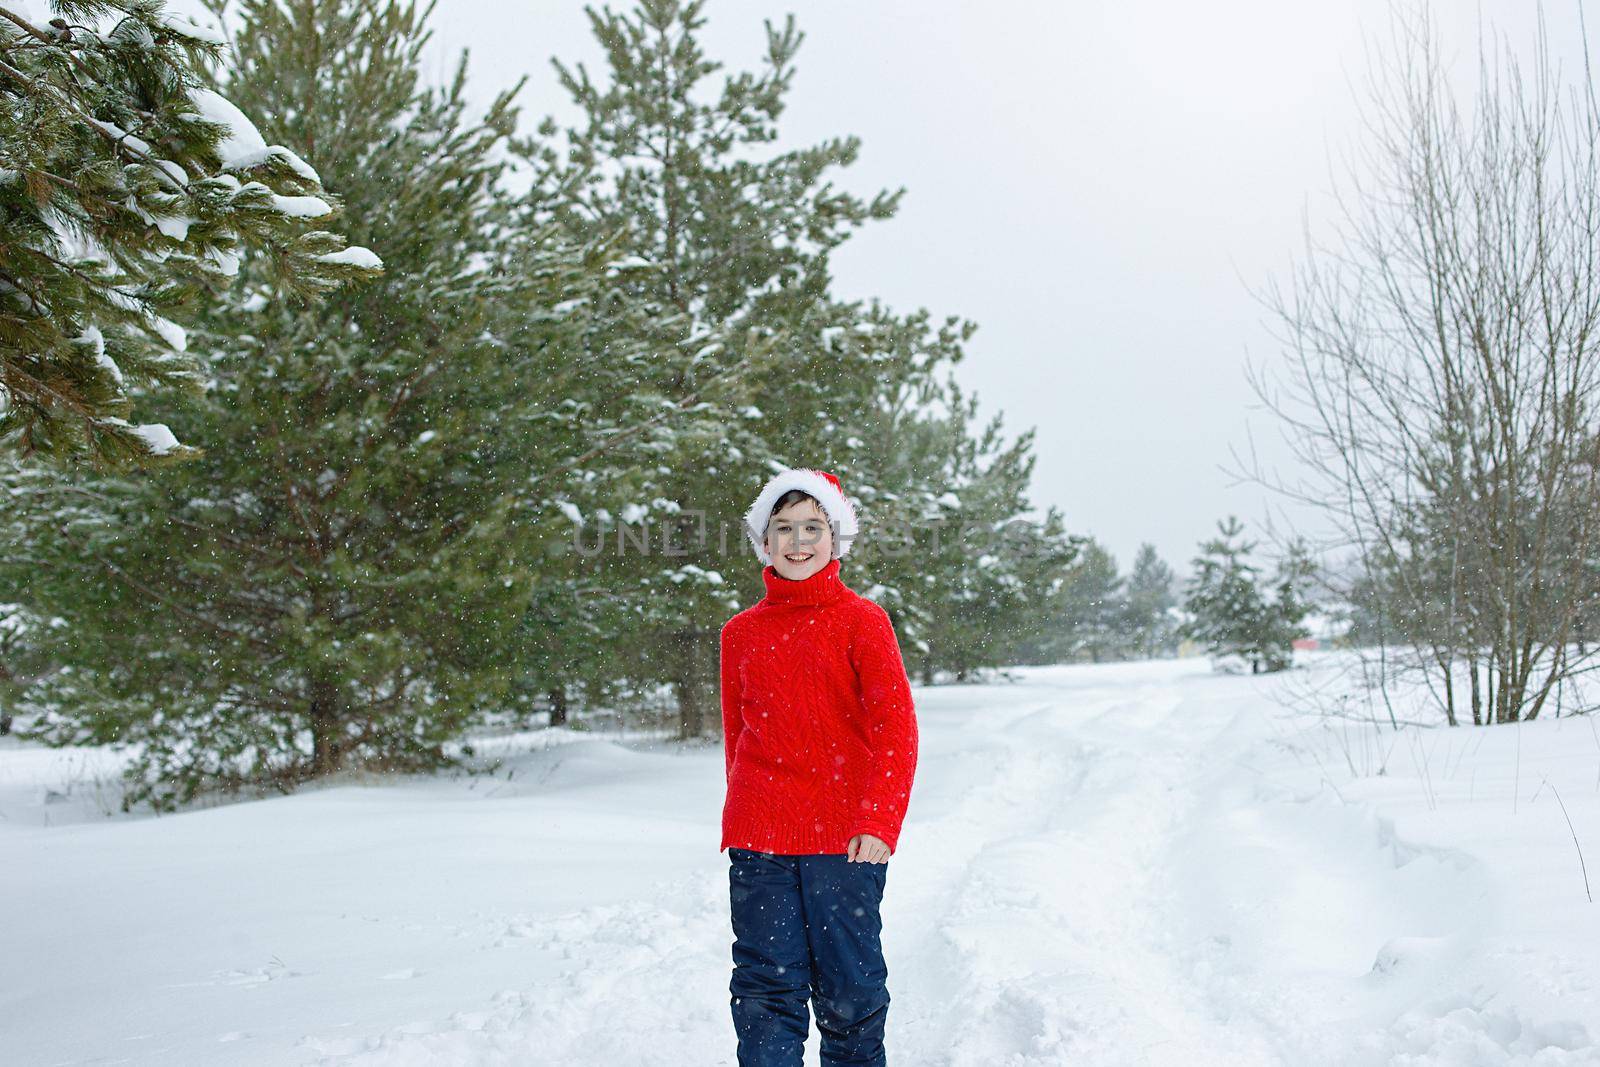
[[130, 189]]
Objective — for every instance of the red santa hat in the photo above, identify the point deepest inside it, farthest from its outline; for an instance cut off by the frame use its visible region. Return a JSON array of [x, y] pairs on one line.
[[822, 486]]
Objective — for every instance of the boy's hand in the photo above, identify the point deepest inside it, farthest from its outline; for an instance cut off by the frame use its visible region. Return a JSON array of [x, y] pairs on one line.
[[864, 848]]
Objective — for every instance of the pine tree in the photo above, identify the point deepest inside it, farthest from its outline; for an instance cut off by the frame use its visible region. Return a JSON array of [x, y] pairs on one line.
[[754, 364], [339, 582], [1094, 608], [1224, 604], [959, 569], [733, 235], [1281, 624], [1147, 622], [1229, 614], [129, 189]]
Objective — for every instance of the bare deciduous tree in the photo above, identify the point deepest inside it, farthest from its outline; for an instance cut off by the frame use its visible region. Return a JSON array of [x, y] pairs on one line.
[[1443, 373]]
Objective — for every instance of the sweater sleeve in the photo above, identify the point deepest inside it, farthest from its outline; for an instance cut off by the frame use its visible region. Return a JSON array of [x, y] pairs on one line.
[[732, 721], [891, 726]]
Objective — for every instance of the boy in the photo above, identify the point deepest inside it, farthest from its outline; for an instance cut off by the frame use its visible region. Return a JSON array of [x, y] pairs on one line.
[[821, 749]]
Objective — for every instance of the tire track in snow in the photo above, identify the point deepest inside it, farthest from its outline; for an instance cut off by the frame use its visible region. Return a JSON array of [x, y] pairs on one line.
[[1038, 943]]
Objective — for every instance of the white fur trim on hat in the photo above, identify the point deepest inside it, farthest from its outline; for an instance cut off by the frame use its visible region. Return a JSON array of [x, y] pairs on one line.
[[841, 513]]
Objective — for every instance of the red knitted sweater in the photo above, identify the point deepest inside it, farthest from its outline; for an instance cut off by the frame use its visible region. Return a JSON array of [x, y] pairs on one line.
[[817, 717]]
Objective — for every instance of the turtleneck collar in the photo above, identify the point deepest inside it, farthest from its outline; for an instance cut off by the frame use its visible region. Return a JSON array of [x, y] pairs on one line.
[[821, 587]]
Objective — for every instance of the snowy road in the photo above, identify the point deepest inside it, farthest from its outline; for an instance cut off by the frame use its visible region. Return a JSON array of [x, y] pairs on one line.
[[1120, 864]]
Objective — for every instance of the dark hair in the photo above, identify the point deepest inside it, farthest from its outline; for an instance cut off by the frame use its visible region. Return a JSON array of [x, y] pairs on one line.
[[794, 496]]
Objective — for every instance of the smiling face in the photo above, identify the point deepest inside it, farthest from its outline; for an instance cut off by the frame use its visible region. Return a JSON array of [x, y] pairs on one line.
[[799, 539]]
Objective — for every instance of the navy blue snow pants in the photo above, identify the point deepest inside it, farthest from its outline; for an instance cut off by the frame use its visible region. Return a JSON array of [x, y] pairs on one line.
[[806, 929]]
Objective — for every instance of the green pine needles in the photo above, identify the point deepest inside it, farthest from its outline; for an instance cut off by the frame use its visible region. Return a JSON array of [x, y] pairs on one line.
[[1230, 613], [127, 189]]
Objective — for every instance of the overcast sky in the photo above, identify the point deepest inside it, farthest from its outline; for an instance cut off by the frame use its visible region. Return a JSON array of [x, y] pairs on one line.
[[1098, 184]]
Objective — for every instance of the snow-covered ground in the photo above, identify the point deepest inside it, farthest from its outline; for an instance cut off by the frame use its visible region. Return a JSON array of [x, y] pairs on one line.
[[1116, 864]]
